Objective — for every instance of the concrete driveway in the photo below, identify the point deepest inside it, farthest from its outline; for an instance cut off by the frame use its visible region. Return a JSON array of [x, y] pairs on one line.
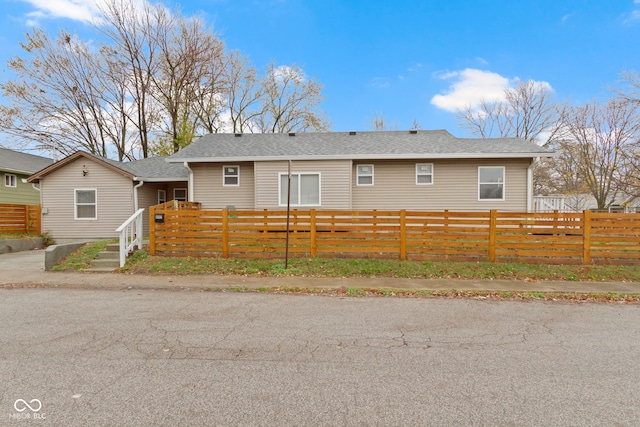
[[26, 260]]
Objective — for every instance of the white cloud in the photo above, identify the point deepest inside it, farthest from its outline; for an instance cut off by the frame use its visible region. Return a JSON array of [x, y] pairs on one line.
[[470, 88], [77, 10]]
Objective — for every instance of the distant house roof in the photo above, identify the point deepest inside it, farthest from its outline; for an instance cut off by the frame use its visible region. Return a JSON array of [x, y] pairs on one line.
[[414, 144], [22, 163], [152, 169]]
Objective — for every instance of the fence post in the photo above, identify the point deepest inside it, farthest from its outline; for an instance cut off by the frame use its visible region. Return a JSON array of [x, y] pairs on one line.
[[492, 235], [403, 235], [225, 233], [152, 230], [27, 227], [312, 231], [586, 237]]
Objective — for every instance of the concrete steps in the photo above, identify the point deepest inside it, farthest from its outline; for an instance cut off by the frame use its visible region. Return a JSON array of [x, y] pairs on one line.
[[107, 260]]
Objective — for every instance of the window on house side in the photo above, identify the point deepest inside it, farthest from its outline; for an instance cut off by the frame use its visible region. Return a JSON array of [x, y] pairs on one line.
[[162, 197], [491, 183], [364, 174], [10, 180], [86, 203], [424, 173], [180, 194], [305, 189], [231, 176]]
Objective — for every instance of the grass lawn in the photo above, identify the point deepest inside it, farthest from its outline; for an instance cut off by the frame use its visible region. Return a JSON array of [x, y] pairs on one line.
[[142, 263]]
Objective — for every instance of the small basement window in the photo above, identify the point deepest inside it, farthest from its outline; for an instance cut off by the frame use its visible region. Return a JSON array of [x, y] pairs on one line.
[[364, 174], [180, 194], [231, 176], [424, 173], [10, 180]]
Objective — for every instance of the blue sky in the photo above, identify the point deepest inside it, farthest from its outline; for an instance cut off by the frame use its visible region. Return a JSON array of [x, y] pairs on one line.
[[406, 61]]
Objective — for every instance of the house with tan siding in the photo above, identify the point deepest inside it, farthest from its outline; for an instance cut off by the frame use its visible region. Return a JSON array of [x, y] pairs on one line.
[[87, 197], [416, 170]]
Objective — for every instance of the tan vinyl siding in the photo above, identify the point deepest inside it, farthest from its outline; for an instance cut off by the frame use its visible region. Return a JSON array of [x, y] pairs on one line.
[[147, 197], [455, 186], [335, 176], [21, 194], [210, 192], [114, 201]]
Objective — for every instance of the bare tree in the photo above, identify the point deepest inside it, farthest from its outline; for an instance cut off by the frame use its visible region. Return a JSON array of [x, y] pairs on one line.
[[290, 101], [243, 94], [60, 100], [527, 112], [159, 80], [595, 140], [186, 50], [130, 26]]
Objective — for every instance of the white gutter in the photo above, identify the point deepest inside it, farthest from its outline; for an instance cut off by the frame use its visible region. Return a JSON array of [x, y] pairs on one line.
[[530, 184], [24, 181], [190, 184], [364, 157], [135, 194]]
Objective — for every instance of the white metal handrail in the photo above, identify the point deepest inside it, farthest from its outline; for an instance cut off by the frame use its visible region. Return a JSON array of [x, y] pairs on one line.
[[130, 235], [548, 203]]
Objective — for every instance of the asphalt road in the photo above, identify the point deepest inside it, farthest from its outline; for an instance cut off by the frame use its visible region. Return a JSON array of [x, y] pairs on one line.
[[143, 357]]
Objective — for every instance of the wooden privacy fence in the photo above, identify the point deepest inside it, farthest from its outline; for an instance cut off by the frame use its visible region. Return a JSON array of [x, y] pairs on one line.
[[551, 237], [18, 219]]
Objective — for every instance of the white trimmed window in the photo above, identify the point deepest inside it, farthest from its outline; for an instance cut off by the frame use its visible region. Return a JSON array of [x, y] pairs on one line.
[[491, 183], [85, 203], [305, 189], [180, 194], [424, 173], [162, 196], [231, 176], [364, 175], [10, 180]]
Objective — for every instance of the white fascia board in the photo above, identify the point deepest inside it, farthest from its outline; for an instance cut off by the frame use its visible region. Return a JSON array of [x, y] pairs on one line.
[[366, 157]]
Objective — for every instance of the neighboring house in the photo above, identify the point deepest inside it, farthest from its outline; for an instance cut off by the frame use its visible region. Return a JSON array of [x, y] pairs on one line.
[[14, 168], [418, 170], [86, 197]]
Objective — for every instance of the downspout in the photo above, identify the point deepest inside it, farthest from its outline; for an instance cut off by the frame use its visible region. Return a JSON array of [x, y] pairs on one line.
[[190, 184], [135, 194], [24, 181], [530, 184]]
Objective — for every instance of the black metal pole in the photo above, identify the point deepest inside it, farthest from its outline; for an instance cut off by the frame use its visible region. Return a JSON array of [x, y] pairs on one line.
[[286, 250]]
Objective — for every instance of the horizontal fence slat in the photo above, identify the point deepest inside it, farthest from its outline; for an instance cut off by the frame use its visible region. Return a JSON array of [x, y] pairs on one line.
[[521, 236]]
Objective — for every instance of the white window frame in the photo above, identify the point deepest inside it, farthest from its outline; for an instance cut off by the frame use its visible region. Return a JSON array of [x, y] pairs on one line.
[[419, 174], [364, 175], [162, 196], [503, 183], [225, 175], [12, 180], [76, 204], [283, 203], [186, 194]]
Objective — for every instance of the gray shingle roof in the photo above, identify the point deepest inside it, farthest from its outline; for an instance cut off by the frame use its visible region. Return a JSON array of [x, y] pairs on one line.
[[15, 161], [156, 168], [352, 145]]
